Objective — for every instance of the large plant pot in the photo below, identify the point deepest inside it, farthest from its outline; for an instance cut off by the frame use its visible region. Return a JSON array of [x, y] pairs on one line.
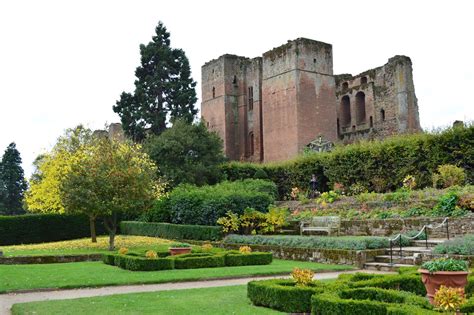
[[179, 250], [452, 279]]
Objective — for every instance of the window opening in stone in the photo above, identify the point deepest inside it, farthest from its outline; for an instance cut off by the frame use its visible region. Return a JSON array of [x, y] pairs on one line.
[[363, 80], [213, 92], [251, 144], [382, 114], [235, 80], [345, 111], [360, 108], [251, 98], [371, 122], [314, 60], [345, 86]]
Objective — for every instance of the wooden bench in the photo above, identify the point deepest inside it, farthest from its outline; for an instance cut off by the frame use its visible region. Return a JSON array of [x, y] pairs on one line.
[[321, 224]]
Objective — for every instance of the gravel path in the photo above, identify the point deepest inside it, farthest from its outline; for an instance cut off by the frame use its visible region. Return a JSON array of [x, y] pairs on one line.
[[7, 300]]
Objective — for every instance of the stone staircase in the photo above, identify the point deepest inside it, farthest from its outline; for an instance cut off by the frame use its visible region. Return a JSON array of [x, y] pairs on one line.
[[409, 256]]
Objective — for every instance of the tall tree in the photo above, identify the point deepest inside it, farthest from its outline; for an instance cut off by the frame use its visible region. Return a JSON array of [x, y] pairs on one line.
[[12, 182], [110, 178], [164, 89], [187, 153]]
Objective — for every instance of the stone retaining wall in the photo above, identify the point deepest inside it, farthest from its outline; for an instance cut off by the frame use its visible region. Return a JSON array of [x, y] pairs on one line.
[[329, 256], [387, 227]]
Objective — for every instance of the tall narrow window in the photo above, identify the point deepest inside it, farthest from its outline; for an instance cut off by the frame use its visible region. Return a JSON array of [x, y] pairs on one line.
[[234, 81], [345, 111], [382, 114], [213, 92], [251, 144], [371, 122], [360, 108], [363, 80], [250, 98]]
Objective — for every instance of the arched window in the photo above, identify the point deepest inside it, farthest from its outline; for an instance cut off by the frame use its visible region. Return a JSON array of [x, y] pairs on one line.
[[363, 80], [345, 111], [213, 92], [250, 96], [360, 108], [382, 114], [251, 143], [345, 86]]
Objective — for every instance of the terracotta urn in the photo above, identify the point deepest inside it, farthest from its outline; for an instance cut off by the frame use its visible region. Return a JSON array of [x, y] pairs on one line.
[[432, 281], [179, 250]]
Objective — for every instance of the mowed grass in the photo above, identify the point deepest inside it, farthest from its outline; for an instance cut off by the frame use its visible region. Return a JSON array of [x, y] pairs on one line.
[[95, 274], [85, 246], [221, 300]]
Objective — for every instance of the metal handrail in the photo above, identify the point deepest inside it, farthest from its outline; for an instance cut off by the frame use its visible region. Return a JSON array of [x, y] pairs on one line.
[[423, 229]]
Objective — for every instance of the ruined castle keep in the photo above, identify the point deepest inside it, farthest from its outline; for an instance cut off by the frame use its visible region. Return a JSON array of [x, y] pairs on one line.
[[270, 108]]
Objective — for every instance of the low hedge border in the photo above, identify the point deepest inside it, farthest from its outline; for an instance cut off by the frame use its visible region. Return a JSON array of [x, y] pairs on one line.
[[283, 295], [136, 262], [48, 259], [374, 301], [172, 231]]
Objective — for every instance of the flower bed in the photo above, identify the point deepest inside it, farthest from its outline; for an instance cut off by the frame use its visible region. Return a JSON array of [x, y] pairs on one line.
[[133, 261]]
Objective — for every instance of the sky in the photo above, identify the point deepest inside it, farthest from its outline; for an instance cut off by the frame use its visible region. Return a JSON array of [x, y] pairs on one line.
[[64, 63]]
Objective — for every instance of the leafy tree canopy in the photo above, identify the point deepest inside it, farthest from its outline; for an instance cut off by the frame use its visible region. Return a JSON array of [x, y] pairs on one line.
[[164, 89], [187, 153], [12, 182], [110, 178]]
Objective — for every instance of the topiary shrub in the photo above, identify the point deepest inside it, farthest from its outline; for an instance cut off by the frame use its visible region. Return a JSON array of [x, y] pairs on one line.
[[283, 295], [234, 258], [136, 263], [406, 282], [198, 260]]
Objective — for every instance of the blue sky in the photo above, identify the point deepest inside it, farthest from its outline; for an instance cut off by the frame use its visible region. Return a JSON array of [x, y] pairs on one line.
[[63, 63]]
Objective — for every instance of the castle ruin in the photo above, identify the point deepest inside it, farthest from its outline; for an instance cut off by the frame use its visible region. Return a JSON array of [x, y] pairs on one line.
[[270, 108]]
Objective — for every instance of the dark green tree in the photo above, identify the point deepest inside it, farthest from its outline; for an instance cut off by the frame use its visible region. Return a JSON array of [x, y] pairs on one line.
[[12, 182], [187, 153], [164, 89]]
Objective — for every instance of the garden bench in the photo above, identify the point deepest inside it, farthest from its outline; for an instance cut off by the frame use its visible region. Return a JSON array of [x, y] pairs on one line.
[[323, 224]]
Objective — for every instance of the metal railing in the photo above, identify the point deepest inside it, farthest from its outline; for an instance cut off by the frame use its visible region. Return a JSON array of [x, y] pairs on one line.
[[424, 229]]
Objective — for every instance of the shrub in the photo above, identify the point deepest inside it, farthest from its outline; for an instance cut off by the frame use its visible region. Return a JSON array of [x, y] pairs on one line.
[[445, 264], [151, 254], [449, 299], [198, 260], [188, 204], [283, 295], [172, 231], [302, 277], [207, 247], [349, 242], [143, 264], [458, 246], [108, 259], [41, 228], [375, 165], [449, 175], [260, 174], [406, 282], [123, 251], [245, 250], [468, 307], [256, 258]]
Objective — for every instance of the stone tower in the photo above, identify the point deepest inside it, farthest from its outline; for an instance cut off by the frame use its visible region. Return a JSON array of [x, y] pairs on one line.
[[270, 108]]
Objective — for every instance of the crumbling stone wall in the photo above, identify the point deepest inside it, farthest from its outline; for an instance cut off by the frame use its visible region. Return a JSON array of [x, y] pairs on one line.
[[271, 108]]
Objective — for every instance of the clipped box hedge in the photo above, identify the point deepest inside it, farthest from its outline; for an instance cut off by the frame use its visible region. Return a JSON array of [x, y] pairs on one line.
[[365, 301], [42, 228], [283, 295], [234, 258], [198, 260], [378, 165], [136, 263], [172, 231]]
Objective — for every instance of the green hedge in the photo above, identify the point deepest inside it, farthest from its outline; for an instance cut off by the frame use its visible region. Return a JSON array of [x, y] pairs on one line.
[[135, 263], [188, 204], [41, 228], [198, 260], [410, 283], [256, 258], [172, 231], [343, 242], [283, 295], [378, 165]]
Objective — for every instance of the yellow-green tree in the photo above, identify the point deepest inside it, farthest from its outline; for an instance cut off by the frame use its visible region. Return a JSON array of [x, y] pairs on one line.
[[110, 178]]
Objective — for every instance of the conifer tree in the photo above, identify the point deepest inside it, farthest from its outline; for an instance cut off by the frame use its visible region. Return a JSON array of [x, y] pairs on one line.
[[164, 89], [12, 182]]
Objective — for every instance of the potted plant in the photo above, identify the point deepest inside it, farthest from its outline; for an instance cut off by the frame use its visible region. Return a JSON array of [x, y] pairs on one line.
[[444, 271], [180, 248]]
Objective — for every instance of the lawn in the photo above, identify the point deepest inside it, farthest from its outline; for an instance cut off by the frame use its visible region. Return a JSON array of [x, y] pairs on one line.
[[221, 300], [85, 246], [94, 274]]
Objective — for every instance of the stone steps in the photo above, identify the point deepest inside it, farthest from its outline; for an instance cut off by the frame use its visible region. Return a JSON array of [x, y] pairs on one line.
[[406, 260], [381, 266]]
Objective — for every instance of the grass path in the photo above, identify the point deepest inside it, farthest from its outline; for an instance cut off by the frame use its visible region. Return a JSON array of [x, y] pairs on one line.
[[96, 274]]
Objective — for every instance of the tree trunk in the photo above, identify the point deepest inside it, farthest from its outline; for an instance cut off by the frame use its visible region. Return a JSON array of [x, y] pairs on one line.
[[92, 227], [110, 224]]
